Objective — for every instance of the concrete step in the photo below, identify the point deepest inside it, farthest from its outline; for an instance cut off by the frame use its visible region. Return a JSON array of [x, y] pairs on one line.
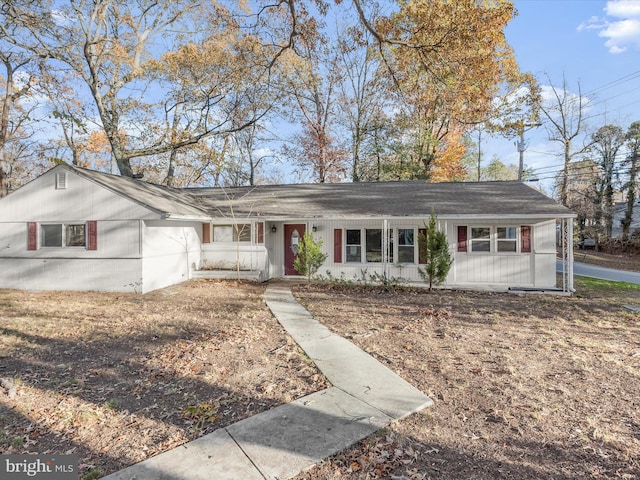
[[255, 275]]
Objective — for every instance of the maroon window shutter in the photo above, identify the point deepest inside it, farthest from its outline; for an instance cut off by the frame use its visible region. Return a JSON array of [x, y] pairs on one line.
[[337, 245], [525, 233], [32, 236], [206, 233], [92, 236], [421, 231], [462, 238], [260, 232]]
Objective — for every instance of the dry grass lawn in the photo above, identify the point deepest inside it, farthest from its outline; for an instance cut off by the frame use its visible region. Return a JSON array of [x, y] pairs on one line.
[[116, 378], [524, 386]]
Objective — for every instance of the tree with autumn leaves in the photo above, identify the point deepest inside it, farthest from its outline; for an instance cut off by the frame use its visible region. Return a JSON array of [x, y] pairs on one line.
[[168, 87]]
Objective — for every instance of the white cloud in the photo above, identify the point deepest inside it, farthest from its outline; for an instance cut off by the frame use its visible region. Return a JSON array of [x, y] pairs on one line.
[[571, 101], [623, 8], [620, 27]]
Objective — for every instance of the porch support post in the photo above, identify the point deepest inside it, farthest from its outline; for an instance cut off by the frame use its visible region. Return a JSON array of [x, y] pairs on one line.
[[567, 254], [570, 255], [385, 246]]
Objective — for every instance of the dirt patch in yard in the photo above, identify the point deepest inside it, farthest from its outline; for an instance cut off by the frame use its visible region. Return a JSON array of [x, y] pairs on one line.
[[524, 386], [116, 378]]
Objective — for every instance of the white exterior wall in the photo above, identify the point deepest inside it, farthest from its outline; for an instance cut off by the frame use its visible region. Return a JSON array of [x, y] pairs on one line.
[[116, 265], [274, 243], [105, 275], [544, 248], [80, 200], [227, 256], [171, 251], [503, 270], [497, 271]]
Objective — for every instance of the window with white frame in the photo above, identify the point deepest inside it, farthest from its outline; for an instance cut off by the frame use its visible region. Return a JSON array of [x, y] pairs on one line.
[[353, 245], [373, 245], [62, 235], [495, 239], [480, 239], [368, 242], [240, 232], [406, 245], [507, 239]]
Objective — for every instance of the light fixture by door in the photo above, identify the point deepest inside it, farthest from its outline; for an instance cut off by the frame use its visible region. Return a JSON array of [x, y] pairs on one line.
[[273, 229]]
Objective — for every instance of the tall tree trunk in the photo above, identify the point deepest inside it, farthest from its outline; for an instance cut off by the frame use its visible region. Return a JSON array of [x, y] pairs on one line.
[[564, 185], [4, 184]]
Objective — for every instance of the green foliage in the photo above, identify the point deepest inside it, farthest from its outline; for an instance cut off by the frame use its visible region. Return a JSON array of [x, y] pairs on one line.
[[201, 414], [597, 283], [92, 474], [434, 250], [310, 256], [373, 280]]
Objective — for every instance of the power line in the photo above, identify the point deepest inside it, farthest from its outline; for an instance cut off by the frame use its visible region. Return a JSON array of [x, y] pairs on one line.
[[615, 82]]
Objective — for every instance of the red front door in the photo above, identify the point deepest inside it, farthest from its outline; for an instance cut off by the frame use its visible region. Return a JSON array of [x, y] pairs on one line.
[[293, 234]]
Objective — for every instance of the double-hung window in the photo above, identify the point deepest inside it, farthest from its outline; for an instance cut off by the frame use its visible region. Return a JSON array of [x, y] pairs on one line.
[[507, 239], [480, 239], [406, 245], [354, 246]]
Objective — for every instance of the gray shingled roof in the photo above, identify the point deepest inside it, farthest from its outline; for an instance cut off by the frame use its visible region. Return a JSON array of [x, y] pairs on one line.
[[354, 200], [390, 199], [159, 198]]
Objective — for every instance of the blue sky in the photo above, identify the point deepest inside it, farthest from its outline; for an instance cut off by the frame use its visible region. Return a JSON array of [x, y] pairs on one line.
[[595, 44]]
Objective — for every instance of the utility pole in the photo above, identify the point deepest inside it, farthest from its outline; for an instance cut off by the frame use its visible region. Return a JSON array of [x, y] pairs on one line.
[[479, 151], [522, 145]]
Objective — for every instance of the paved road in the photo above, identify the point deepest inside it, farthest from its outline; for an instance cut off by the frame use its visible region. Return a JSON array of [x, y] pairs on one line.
[[585, 270]]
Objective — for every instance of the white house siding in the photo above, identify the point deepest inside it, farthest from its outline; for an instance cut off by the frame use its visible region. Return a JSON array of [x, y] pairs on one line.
[[81, 199], [274, 242], [474, 270], [544, 247], [354, 271], [171, 251], [504, 270], [83, 274], [116, 265], [227, 256]]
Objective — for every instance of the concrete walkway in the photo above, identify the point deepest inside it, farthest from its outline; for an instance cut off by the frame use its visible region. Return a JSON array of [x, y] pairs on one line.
[[282, 442]]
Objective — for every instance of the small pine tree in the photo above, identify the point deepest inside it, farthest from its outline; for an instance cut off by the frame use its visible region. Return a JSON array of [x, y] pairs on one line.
[[310, 257], [434, 250]]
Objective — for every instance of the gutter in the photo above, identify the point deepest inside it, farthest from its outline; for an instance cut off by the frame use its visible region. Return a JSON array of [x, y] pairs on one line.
[[194, 218]]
